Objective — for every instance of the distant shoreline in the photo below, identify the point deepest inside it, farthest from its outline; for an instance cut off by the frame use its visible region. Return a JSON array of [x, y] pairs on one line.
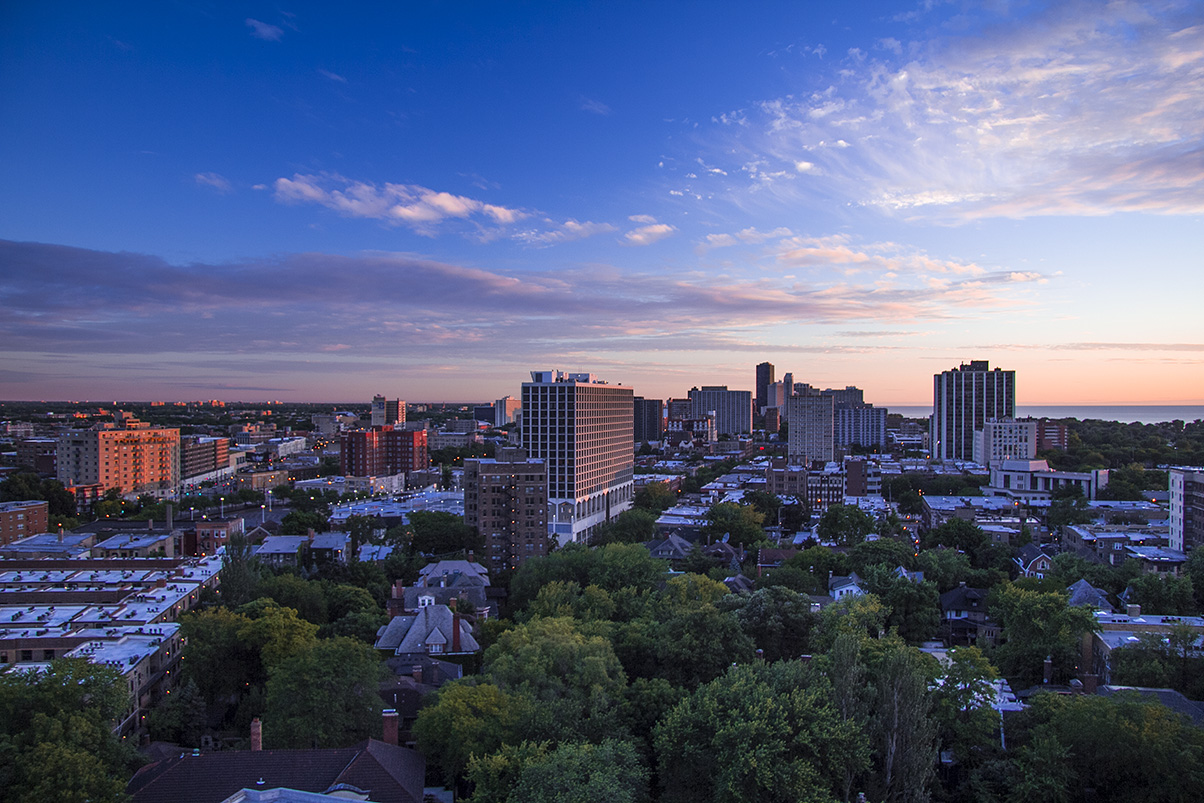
[[1125, 413]]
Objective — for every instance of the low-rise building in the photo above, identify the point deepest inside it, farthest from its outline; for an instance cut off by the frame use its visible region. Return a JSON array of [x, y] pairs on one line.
[[22, 519]]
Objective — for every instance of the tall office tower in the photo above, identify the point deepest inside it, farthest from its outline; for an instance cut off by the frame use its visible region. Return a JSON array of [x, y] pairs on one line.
[[764, 380], [383, 451], [811, 438], [506, 410], [1186, 507], [963, 399], [732, 408], [582, 428], [649, 419], [387, 411], [131, 456], [506, 499]]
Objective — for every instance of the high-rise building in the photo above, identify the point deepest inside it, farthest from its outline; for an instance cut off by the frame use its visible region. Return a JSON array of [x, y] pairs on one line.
[[649, 419], [810, 438], [1186, 507], [506, 499], [732, 408], [679, 408], [582, 428], [200, 454], [506, 410], [1005, 440], [965, 398], [383, 452], [387, 411], [854, 421], [129, 455], [764, 380]]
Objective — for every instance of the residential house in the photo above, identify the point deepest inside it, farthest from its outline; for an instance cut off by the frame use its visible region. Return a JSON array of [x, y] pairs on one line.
[[370, 770], [1033, 561], [964, 617], [435, 630]]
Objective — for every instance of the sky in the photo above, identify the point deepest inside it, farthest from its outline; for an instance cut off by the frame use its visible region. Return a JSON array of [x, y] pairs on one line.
[[317, 202]]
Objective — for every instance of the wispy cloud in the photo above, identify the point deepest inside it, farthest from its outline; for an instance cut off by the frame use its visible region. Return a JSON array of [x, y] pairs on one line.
[[594, 106], [214, 181], [416, 207], [262, 30], [1069, 110], [564, 232], [332, 76]]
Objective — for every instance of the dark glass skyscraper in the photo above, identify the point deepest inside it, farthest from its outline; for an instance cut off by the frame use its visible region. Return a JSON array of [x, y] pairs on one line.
[[962, 401], [764, 380]]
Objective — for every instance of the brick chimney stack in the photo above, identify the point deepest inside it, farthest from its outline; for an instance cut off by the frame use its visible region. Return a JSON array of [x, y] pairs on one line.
[[455, 631], [256, 735], [389, 726]]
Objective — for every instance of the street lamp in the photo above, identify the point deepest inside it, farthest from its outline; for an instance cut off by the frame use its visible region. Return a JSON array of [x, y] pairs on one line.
[[192, 514], [223, 506], [262, 513]]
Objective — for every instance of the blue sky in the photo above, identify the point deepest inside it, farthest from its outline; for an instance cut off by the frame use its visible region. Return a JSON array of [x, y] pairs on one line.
[[215, 200]]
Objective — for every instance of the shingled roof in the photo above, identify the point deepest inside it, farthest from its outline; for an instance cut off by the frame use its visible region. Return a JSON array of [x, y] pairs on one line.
[[389, 774]]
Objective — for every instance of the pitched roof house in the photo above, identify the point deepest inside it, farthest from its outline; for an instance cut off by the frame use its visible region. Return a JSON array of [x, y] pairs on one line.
[[383, 772]]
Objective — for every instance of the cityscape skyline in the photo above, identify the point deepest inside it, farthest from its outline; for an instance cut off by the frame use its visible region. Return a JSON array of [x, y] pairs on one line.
[[429, 202]]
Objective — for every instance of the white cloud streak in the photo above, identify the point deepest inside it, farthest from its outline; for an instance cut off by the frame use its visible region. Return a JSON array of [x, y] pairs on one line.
[[262, 30], [1071, 110]]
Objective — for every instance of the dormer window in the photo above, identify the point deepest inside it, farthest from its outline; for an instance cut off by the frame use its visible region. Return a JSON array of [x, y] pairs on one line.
[[425, 601]]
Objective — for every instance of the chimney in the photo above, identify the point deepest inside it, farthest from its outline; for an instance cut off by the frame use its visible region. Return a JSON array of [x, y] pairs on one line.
[[1048, 669], [1134, 611], [311, 535], [451, 603], [416, 672], [150, 525], [256, 735], [389, 726], [60, 533], [455, 631]]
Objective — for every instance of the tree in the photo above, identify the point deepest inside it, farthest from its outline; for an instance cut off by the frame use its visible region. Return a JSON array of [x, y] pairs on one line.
[[741, 523], [885, 551], [945, 567], [438, 533], [632, 526], [300, 522], [303, 596], [610, 567], [324, 696], [904, 733], [655, 497], [778, 620], [56, 734], [845, 525], [575, 772], [465, 718], [765, 732], [180, 718], [1037, 624], [915, 608], [963, 702], [550, 658], [360, 528], [1168, 595]]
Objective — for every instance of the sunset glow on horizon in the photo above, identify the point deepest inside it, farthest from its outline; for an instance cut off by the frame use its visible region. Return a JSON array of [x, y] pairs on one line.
[[430, 201]]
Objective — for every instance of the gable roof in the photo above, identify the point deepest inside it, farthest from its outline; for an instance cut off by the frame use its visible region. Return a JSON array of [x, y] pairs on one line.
[[963, 598], [672, 547], [433, 624], [391, 774], [1029, 554], [1083, 594]]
